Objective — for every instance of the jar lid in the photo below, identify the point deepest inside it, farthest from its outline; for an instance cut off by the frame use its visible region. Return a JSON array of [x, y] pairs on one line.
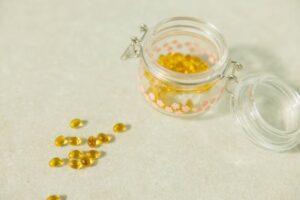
[[268, 110]]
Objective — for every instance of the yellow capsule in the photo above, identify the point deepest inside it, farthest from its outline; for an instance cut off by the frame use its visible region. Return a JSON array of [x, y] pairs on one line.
[[161, 62], [75, 123], [119, 127], [87, 161], [171, 66], [104, 138], [188, 57], [75, 154], [93, 154], [75, 164], [54, 197], [189, 103], [162, 59], [178, 56], [94, 142], [56, 162], [204, 66], [148, 75], [74, 141], [60, 141], [108, 138]]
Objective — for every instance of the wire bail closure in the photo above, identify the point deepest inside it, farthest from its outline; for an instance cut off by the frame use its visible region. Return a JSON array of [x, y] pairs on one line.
[[234, 67], [135, 47]]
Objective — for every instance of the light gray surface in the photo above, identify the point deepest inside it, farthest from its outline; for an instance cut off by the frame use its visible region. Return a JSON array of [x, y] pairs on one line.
[[59, 59]]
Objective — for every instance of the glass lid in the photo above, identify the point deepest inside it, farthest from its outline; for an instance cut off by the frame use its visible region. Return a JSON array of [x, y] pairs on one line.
[[268, 110]]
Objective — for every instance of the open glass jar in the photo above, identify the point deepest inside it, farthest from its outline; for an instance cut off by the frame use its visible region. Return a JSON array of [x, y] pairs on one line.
[[180, 41], [185, 69]]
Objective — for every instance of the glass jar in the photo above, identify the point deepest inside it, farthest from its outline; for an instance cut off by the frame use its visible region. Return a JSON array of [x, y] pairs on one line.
[[185, 69], [181, 93]]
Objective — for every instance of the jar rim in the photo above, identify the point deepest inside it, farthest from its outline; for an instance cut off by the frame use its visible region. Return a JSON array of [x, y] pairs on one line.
[[214, 72]]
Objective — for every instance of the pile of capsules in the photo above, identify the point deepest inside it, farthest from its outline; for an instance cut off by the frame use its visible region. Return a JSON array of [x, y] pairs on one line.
[[78, 159], [181, 63], [173, 97]]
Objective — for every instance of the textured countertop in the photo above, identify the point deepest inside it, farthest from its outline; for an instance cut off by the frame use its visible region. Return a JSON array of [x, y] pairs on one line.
[[59, 59]]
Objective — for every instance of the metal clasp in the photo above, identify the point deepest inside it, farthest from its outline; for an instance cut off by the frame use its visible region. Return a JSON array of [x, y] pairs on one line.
[[233, 68], [135, 47]]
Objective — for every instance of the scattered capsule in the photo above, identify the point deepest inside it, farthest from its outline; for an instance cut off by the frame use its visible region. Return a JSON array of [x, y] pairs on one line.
[[75, 154], [94, 142], [56, 162], [75, 164], [74, 141], [104, 138], [60, 141], [76, 123], [119, 127], [87, 161], [93, 154], [108, 138], [54, 197]]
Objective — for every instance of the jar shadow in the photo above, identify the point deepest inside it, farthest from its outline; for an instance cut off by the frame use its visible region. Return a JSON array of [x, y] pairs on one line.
[[256, 59], [63, 197], [221, 109], [295, 149]]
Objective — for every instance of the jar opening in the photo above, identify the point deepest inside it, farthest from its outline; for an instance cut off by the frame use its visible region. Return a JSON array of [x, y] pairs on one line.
[[185, 35]]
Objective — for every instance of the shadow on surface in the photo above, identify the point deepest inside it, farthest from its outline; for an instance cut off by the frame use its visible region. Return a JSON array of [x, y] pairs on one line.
[[259, 60], [84, 123], [103, 154], [254, 59], [220, 109], [63, 197], [128, 126], [295, 149]]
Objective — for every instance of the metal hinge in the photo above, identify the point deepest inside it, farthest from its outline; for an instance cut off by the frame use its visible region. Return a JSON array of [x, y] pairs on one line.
[[230, 74], [234, 67], [135, 47]]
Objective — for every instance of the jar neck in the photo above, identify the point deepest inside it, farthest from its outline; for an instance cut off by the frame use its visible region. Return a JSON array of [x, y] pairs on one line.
[[193, 28]]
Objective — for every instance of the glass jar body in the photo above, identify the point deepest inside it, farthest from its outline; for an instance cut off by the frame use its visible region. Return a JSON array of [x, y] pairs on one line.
[[176, 99], [187, 40]]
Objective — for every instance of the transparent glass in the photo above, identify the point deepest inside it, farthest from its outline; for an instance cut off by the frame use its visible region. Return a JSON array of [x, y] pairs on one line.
[[178, 93], [269, 111]]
